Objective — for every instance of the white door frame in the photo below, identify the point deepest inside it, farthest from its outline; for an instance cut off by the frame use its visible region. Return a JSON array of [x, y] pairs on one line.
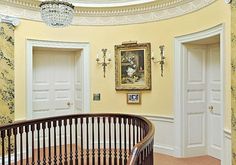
[[179, 84], [84, 47]]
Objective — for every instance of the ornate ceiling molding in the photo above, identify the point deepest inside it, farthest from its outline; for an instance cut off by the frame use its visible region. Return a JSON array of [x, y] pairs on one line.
[[12, 20], [116, 16]]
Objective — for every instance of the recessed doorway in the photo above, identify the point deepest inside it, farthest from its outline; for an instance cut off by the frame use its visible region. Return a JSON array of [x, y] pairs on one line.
[[199, 94], [202, 102], [57, 78], [57, 82]]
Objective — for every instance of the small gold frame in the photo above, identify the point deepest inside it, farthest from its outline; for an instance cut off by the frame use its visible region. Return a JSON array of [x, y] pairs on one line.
[[134, 98]]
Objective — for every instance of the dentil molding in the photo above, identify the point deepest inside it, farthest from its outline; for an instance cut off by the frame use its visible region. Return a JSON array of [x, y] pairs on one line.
[[119, 16]]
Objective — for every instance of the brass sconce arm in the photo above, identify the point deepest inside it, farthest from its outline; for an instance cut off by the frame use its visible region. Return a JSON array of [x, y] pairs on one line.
[[162, 60], [104, 62]]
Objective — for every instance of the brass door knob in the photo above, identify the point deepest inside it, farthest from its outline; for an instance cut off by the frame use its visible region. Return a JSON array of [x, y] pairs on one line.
[[211, 108], [69, 103]]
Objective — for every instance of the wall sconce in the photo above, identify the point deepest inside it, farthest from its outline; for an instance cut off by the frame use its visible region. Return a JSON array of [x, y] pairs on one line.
[[105, 60], [162, 61]]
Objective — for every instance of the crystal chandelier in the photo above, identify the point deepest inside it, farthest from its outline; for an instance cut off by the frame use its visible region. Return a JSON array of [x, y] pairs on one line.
[[57, 13]]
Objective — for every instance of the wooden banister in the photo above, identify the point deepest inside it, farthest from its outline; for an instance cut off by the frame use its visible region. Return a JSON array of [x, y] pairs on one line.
[[96, 138]]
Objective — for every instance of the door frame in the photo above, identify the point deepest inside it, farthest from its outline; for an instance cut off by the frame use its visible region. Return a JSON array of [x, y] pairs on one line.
[[81, 46], [179, 84]]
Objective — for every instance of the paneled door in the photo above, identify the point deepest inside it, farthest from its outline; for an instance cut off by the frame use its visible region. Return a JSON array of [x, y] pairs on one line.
[[215, 129], [195, 103], [202, 101], [53, 83]]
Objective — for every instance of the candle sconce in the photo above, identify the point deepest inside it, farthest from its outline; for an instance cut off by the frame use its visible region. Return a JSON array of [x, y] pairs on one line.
[[162, 60], [104, 61]]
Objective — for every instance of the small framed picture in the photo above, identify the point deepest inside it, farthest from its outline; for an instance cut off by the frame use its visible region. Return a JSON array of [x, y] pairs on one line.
[[133, 98]]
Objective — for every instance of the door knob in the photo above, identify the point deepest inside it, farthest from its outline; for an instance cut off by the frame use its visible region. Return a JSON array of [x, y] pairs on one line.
[[69, 103], [211, 108]]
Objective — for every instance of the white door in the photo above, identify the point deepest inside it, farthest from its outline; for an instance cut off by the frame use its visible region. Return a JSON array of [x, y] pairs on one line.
[[195, 101], [53, 83], [78, 83], [202, 101], [214, 102]]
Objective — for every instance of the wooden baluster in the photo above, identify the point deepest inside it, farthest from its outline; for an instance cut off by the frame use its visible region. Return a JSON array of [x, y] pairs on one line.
[[71, 152], [44, 144], [60, 142], [99, 147], [65, 145], [55, 141], [38, 132], [137, 132], [3, 146], [151, 163], [115, 147], [15, 145], [32, 139], [125, 142], [120, 134], [93, 148], [129, 123], [82, 137], [148, 153], [87, 130], [21, 144], [145, 155], [76, 142], [109, 129], [140, 138], [9, 145], [27, 144], [49, 143], [140, 130], [137, 136], [133, 124], [104, 140]]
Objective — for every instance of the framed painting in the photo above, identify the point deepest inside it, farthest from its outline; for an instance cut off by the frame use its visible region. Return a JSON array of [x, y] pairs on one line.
[[133, 66], [134, 98]]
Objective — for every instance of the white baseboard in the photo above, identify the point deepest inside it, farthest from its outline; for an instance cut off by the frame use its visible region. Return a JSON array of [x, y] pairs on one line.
[[227, 153], [164, 134], [164, 149]]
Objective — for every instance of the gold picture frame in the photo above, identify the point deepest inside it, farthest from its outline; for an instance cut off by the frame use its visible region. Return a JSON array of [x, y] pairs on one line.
[[134, 98], [133, 66]]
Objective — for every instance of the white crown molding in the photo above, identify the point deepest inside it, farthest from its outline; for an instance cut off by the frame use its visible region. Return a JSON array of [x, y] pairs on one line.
[[149, 13], [110, 4], [12, 20]]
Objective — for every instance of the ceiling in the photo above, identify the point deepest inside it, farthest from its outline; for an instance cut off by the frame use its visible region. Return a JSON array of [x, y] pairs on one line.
[[109, 12]]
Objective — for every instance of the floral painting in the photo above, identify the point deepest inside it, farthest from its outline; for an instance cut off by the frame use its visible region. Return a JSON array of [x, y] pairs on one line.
[[133, 66]]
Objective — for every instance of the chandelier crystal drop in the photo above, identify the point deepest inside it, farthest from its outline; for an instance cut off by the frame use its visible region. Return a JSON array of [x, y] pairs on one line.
[[57, 13]]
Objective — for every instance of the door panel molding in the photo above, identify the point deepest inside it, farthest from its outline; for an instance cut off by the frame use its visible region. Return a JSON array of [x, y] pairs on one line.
[[81, 46], [179, 81]]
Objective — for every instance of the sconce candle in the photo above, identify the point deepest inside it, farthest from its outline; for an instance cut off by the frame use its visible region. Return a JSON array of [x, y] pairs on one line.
[[162, 61], [105, 62]]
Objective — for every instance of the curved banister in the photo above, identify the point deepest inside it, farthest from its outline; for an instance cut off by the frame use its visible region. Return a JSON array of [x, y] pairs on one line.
[[142, 138], [139, 147]]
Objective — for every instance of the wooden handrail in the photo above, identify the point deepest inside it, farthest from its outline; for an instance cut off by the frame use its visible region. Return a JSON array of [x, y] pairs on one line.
[[141, 136], [139, 147]]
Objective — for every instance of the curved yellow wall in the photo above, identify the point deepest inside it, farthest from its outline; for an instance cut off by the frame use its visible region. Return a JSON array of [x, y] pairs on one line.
[[158, 101]]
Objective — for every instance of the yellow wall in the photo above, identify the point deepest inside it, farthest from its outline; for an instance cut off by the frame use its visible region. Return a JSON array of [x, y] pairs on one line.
[[158, 101]]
